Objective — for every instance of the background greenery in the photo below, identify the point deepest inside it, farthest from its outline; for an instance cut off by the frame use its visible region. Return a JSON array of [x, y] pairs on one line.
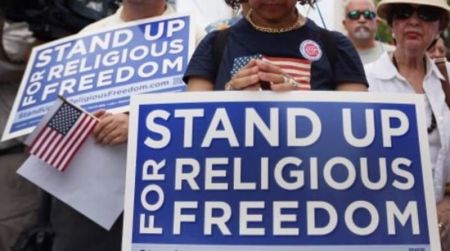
[[383, 32]]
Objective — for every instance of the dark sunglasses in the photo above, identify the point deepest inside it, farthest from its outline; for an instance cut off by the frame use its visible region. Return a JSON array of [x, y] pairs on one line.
[[424, 12], [356, 14]]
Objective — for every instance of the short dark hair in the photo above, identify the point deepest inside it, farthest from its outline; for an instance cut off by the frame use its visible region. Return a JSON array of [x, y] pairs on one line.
[[235, 3]]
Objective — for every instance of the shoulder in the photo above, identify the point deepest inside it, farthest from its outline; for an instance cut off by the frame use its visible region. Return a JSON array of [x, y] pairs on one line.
[[218, 25], [103, 23], [372, 78], [381, 68], [209, 38], [369, 69], [223, 24], [205, 48], [342, 40], [170, 9], [387, 47], [331, 38], [312, 26], [199, 29], [380, 73]]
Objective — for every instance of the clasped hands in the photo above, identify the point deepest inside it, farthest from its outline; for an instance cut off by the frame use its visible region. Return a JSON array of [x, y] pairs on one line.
[[260, 75]]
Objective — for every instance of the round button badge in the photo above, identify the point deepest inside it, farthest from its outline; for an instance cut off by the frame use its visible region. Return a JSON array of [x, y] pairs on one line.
[[310, 50]]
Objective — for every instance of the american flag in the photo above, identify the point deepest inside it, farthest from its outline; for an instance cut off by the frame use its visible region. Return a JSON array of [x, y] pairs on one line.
[[62, 136], [299, 69]]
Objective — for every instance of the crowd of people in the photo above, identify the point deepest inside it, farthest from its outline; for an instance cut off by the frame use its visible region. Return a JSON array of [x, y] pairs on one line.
[[250, 60]]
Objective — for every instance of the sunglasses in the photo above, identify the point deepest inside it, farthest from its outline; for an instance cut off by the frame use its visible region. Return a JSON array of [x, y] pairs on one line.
[[424, 12], [356, 14]]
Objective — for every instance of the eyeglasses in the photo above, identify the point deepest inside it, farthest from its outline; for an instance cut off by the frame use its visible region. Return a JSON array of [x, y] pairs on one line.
[[356, 14], [424, 12]]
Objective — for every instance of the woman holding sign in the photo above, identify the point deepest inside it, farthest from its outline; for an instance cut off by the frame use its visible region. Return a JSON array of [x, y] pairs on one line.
[[275, 47], [416, 25]]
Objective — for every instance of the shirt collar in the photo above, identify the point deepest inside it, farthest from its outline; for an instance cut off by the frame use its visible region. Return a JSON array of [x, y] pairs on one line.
[[432, 69], [387, 69], [170, 9]]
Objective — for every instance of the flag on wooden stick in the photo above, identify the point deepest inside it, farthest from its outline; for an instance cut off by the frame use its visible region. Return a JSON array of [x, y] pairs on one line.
[[62, 134]]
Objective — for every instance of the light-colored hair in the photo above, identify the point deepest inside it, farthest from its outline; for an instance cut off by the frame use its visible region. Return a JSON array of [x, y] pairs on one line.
[[347, 2]]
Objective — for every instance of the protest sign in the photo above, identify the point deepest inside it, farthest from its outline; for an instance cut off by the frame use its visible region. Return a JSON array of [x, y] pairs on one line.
[[93, 183], [102, 70], [279, 171]]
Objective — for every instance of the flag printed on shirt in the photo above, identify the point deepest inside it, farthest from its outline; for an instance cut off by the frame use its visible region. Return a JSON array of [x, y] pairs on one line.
[[62, 136], [299, 69], [240, 62]]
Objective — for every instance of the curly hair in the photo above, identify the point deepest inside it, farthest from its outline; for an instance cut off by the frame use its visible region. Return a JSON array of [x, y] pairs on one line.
[[235, 3]]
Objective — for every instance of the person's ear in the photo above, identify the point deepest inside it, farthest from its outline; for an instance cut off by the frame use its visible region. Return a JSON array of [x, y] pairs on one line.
[[378, 20]]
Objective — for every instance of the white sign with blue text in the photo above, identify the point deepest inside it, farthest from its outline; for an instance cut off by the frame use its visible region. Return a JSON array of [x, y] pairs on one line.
[[279, 171], [102, 70]]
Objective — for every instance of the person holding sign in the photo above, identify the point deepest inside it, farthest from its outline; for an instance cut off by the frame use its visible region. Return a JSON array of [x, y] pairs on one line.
[[416, 24], [113, 128], [275, 47], [74, 231]]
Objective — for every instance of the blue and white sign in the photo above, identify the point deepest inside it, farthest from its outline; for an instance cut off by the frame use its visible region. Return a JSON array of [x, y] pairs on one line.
[[279, 171], [102, 70]]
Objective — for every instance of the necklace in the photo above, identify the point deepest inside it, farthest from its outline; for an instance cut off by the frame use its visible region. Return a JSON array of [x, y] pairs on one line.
[[433, 124], [298, 23]]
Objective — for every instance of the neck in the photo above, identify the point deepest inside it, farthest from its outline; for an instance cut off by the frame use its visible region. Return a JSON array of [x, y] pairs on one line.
[[365, 44], [285, 21], [412, 68], [299, 21], [135, 11], [409, 61]]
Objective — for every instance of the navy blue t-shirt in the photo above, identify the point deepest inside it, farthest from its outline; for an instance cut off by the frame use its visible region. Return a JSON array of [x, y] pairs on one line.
[[299, 53]]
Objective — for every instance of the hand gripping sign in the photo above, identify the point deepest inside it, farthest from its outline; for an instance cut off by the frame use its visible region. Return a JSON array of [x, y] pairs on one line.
[[102, 70], [278, 171]]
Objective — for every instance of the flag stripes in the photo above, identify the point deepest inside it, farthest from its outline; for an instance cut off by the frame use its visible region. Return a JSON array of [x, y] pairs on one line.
[[298, 68], [62, 136]]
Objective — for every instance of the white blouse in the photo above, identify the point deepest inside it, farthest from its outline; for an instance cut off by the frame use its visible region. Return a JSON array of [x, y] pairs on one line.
[[383, 76]]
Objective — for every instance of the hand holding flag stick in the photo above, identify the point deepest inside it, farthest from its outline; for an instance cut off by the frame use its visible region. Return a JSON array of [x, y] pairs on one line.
[[60, 135], [112, 129]]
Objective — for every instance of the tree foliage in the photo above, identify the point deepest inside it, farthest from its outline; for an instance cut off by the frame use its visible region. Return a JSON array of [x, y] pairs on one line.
[[384, 33]]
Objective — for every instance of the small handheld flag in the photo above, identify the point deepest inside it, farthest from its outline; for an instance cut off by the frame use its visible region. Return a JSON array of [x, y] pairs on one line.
[[62, 134]]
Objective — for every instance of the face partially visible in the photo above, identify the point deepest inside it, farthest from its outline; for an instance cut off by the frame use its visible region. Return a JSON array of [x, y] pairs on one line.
[[438, 50], [412, 32], [272, 10], [362, 28]]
